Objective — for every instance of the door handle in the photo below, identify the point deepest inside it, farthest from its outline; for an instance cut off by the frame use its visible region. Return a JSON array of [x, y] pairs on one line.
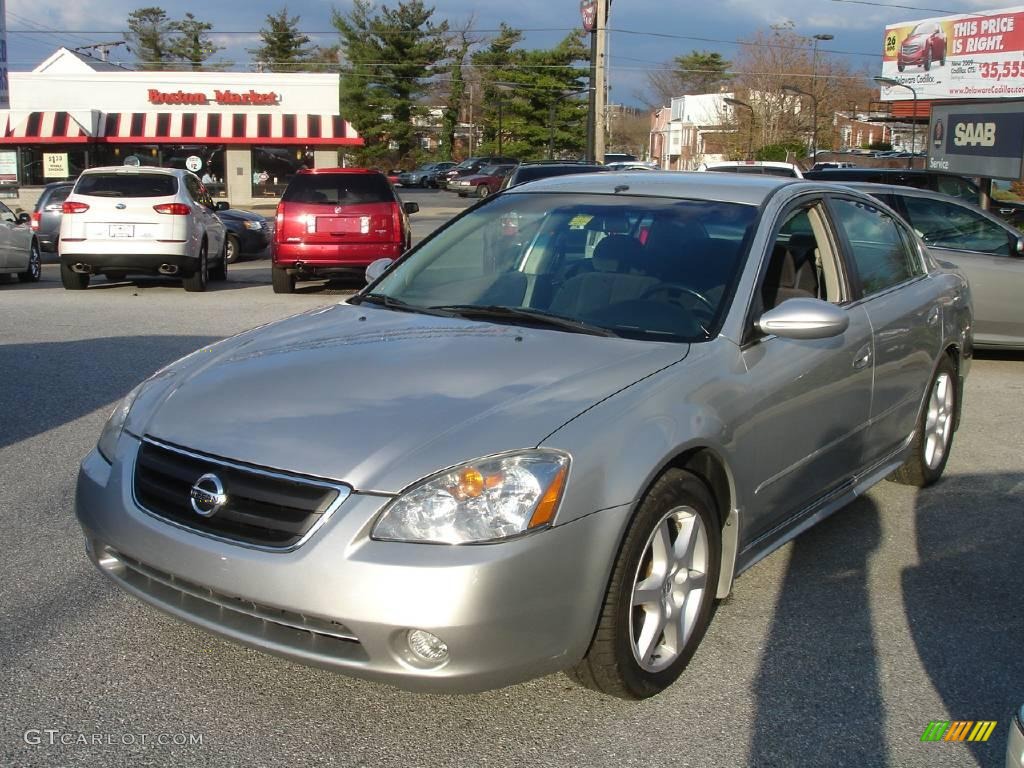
[[933, 316], [863, 357]]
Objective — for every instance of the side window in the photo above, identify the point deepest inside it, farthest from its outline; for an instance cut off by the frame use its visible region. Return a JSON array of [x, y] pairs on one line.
[[878, 250], [6, 214], [956, 187], [947, 225], [194, 190], [801, 263]]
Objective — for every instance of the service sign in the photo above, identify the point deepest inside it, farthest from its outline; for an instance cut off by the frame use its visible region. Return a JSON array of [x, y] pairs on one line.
[[967, 56], [980, 139]]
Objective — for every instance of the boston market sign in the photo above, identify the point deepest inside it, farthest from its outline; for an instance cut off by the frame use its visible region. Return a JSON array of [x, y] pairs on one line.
[[219, 97]]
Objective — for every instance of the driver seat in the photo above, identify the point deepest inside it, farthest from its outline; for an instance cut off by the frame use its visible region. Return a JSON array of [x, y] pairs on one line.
[[609, 283]]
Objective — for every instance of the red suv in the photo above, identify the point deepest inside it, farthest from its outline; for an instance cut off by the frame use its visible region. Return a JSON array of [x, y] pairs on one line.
[[925, 43], [336, 220]]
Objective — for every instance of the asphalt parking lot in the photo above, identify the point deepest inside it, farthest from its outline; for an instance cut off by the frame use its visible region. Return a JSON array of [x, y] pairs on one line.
[[839, 649]]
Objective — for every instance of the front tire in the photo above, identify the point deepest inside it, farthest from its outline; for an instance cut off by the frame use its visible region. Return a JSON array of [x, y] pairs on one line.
[[282, 281], [662, 592], [71, 280], [927, 59], [198, 280], [34, 271], [232, 249], [933, 438], [483, 191]]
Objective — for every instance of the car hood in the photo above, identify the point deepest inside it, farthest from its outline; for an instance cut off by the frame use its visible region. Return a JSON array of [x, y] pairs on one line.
[[916, 40], [235, 213], [378, 398]]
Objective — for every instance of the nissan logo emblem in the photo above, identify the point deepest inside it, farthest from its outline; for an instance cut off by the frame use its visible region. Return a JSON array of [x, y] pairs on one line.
[[207, 495], [120, 206]]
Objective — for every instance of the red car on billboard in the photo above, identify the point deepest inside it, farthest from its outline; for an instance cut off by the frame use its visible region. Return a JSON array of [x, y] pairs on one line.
[[925, 44]]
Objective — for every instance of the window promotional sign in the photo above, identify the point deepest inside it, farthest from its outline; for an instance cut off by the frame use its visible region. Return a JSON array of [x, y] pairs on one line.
[[977, 140], [8, 167], [55, 165], [967, 56]]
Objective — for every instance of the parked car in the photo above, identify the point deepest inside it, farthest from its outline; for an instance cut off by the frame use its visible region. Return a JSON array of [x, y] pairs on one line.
[[1015, 741], [46, 215], [471, 165], [831, 164], [759, 167], [335, 220], [945, 183], [925, 44], [424, 176], [19, 247], [986, 249], [393, 175], [128, 220], [525, 172], [247, 233], [486, 181], [619, 157], [548, 437]]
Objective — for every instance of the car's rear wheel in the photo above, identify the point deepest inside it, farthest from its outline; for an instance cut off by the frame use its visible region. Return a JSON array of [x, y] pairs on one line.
[[282, 281], [220, 272], [483, 190], [34, 271], [71, 280], [232, 249], [424, 182], [933, 438], [662, 592], [197, 281]]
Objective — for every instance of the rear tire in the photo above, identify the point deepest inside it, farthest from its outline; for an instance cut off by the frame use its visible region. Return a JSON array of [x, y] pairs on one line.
[[197, 281], [933, 438], [35, 265], [232, 250], [662, 592], [71, 280], [220, 272], [282, 281]]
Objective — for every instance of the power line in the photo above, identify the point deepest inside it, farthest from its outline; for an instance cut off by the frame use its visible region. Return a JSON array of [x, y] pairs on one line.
[[913, 8]]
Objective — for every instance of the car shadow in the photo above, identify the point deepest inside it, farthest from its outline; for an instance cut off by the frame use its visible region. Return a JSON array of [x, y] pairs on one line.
[[44, 396], [159, 282]]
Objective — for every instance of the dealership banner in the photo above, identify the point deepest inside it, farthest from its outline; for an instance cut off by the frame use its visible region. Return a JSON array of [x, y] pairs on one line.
[[966, 56]]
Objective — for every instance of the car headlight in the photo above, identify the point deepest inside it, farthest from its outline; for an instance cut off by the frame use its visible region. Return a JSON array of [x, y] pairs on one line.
[[257, 225], [483, 500], [107, 444]]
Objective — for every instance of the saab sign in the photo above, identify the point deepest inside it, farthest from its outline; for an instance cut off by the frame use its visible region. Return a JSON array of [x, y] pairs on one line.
[[980, 139]]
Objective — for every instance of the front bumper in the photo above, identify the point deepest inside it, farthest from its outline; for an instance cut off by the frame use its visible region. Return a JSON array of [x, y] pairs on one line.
[[251, 241], [1015, 743], [507, 612]]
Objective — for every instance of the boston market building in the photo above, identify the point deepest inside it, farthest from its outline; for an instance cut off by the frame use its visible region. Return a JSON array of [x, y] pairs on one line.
[[243, 133]]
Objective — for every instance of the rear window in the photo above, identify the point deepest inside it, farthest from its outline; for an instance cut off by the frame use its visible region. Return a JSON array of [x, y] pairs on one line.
[[338, 189], [127, 185], [57, 196]]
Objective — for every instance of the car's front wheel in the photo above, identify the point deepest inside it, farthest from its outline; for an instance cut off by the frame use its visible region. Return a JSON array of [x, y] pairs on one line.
[[483, 190], [933, 438], [927, 59], [231, 249], [34, 270], [662, 592]]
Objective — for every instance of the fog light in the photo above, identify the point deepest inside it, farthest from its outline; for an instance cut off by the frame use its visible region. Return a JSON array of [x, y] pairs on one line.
[[427, 647]]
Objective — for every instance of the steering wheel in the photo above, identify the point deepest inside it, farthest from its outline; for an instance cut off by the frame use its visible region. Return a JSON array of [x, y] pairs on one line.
[[674, 291]]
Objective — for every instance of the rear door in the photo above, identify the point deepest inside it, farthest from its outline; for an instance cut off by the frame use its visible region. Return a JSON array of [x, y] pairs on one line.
[[121, 209], [8, 220], [341, 209]]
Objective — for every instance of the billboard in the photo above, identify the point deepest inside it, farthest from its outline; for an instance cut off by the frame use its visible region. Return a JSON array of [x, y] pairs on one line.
[[966, 56], [981, 139]]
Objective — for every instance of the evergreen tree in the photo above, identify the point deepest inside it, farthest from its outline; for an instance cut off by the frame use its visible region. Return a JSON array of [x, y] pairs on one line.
[[284, 48], [191, 43], [149, 37], [701, 72], [390, 56]]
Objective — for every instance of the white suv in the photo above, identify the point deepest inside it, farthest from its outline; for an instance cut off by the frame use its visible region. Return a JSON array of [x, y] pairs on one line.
[[125, 220]]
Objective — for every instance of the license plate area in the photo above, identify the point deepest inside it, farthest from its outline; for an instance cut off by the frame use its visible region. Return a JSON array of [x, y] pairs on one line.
[[343, 225], [122, 230]]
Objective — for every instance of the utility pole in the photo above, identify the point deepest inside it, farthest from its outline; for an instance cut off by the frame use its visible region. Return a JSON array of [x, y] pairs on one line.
[[102, 48], [600, 82]]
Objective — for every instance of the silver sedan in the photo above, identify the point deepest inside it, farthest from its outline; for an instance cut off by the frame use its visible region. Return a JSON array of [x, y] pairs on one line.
[[548, 438], [19, 249]]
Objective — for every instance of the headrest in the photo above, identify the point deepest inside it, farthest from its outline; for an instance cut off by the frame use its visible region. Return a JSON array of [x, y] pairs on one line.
[[617, 253]]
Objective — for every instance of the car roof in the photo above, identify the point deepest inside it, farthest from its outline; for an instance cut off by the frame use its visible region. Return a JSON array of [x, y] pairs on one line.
[[133, 169], [315, 171], [873, 188], [751, 163], [723, 187]]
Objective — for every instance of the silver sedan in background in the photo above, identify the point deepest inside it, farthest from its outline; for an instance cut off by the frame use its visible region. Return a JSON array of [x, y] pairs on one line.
[[547, 438], [19, 249]]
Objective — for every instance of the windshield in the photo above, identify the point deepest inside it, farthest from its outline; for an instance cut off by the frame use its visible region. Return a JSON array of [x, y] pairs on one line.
[[491, 170], [641, 267], [338, 189]]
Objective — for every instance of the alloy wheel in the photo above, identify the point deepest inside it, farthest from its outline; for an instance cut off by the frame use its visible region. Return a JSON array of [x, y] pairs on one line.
[[938, 423]]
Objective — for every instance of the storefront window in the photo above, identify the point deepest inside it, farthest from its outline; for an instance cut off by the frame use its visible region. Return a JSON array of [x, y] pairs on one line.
[[273, 168], [42, 164], [132, 154], [204, 160]]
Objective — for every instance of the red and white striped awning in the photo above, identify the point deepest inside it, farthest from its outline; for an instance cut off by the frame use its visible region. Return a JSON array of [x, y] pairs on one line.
[[226, 128], [41, 128]]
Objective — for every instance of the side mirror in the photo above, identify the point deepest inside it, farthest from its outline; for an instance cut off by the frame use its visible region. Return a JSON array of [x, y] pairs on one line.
[[1017, 248], [24, 217], [804, 319], [222, 205], [411, 207], [378, 267]]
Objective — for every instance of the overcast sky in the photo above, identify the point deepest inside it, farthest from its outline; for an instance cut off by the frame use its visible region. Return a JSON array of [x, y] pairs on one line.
[[646, 33]]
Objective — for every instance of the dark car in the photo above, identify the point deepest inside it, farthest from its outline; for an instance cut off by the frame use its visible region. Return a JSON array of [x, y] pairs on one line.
[[424, 176], [47, 213], [533, 171], [618, 157], [336, 220], [925, 43], [486, 182], [471, 165], [248, 233]]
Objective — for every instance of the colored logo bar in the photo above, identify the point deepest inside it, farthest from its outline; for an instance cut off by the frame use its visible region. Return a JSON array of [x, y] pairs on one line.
[[959, 730]]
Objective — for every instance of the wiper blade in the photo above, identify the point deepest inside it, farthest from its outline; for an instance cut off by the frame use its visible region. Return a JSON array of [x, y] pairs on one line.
[[522, 314], [389, 302]]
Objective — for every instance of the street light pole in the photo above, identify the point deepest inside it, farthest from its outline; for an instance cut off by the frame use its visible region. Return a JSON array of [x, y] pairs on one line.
[[814, 116], [892, 83], [750, 133]]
